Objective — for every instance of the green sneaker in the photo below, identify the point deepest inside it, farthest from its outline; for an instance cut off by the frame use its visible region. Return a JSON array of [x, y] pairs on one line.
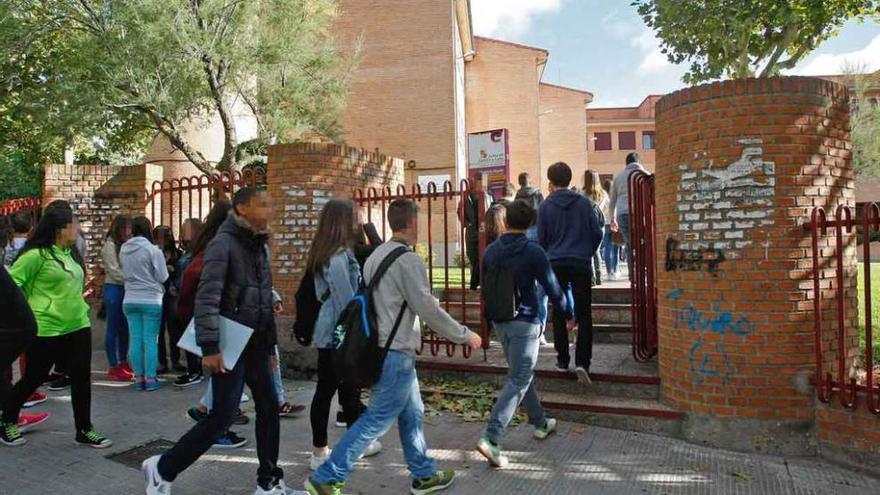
[[543, 433], [315, 488], [11, 435], [491, 452], [93, 439], [440, 481]]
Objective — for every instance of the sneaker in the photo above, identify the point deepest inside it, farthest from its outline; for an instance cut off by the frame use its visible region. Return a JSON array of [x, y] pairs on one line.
[[491, 452], [542, 341], [188, 379], [59, 383], [140, 385], [126, 367], [583, 375], [26, 422], [91, 438], [244, 398], [11, 435], [279, 488], [315, 461], [34, 399], [561, 366], [52, 377], [151, 384], [315, 488], [287, 409], [195, 414], [241, 418], [155, 485], [118, 374], [374, 448], [440, 481], [340, 420], [229, 440], [543, 433]]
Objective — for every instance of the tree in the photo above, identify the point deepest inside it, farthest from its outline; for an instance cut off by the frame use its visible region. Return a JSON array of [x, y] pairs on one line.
[[865, 122], [153, 64], [746, 38]]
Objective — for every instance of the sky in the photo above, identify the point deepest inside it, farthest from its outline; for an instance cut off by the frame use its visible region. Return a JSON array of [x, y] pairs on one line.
[[603, 46]]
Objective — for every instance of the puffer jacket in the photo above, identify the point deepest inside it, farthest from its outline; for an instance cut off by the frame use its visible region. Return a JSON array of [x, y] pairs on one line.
[[236, 283]]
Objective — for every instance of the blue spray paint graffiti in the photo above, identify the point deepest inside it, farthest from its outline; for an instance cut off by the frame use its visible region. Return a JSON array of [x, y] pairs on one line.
[[709, 359]]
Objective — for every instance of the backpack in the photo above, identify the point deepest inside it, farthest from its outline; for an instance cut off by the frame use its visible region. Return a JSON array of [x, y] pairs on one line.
[[357, 357], [499, 293], [308, 306]]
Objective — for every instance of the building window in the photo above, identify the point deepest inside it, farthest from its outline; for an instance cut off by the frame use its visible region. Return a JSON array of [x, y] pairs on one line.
[[627, 140], [648, 140], [602, 141]]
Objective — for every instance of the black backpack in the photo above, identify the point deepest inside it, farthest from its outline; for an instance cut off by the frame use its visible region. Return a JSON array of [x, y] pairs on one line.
[[308, 306], [499, 293], [357, 357]]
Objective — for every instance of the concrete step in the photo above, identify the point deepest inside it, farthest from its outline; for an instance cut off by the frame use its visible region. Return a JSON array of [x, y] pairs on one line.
[[642, 415]]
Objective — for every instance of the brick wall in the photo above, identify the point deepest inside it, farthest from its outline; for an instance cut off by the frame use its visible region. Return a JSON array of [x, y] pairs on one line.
[[97, 193], [740, 166], [302, 177]]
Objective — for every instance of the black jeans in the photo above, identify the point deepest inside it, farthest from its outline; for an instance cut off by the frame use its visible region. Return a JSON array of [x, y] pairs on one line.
[[75, 351], [473, 254], [13, 342], [579, 281], [328, 384], [171, 326], [254, 369]]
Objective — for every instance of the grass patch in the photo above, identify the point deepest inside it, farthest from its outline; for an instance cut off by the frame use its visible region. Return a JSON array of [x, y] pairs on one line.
[[438, 277], [875, 308], [475, 408]]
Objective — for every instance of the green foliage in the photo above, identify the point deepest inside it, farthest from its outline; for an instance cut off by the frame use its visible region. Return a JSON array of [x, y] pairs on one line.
[[116, 68], [424, 253], [18, 179], [745, 38], [865, 122]]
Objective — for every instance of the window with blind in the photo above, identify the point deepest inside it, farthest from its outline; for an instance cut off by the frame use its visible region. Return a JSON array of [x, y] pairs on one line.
[[627, 140], [602, 141]]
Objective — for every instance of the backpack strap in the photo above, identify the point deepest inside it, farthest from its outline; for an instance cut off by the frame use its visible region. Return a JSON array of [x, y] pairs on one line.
[[384, 265]]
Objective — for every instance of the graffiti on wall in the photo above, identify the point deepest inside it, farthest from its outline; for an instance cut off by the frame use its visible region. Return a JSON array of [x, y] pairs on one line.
[[708, 356], [717, 206], [692, 260]]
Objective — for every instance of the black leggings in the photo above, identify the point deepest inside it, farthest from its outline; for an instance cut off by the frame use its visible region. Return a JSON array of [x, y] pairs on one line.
[[328, 384], [75, 351]]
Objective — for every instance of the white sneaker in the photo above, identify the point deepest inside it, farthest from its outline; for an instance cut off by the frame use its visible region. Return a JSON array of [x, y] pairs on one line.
[[315, 461], [279, 489], [583, 376], [374, 448], [155, 485], [546, 431]]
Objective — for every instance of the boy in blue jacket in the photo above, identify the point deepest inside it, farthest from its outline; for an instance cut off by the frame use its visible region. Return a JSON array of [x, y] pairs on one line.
[[528, 263], [569, 230]]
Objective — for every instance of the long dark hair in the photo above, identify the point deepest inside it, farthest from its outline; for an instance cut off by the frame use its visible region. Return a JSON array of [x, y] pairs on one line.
[[212, 224], [57, 216], [496, 222], [142, 227], [117, 231], [336, 229], [196, 225], [164, 238]]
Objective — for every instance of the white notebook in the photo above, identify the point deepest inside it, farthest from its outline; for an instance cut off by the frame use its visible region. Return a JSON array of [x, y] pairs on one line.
[[233, 338]]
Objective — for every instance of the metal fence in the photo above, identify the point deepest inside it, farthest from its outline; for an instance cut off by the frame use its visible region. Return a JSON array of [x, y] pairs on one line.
[[643, 254], [10, 207], [829, 254]]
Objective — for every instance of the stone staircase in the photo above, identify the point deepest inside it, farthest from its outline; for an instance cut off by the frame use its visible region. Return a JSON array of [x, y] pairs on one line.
[[625, 394]]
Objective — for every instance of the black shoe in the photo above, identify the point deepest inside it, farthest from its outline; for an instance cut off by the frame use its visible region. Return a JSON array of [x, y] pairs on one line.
[[340, 420], [52, 377], [229, 440], [195, 414], [241, 418], [186, 380], [59, 383], [91, 438]]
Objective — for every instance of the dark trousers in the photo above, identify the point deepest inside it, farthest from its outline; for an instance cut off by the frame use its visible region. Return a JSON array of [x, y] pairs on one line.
[[328, 385], [473, 254], [170, 326], [579, 282], [75, 351], [13, 342], [254, 369]]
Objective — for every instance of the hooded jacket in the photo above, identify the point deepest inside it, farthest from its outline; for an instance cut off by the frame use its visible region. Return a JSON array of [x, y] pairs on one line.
[[568, 229], [530, 266], [532, 195], [143, 265], [236, 283], [619, 201]]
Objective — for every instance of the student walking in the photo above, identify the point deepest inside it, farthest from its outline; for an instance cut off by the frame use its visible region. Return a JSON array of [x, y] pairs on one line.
[[610, 250], [170, 329], [145, 274], [593, 190], [51, 275], [116, 330], [495, 222], [469, 213], [404, 290], [337, 278], [236, 283], [569, 230], [526, 266], [528, 193], [620, 204], [189, 234]]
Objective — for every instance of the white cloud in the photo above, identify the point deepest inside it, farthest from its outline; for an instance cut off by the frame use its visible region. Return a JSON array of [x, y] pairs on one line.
[[868, 58], [508, 18], [653, 60], [614, 24]]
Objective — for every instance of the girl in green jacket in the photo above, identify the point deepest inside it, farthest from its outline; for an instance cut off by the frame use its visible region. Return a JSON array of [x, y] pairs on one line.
[[50, 272]]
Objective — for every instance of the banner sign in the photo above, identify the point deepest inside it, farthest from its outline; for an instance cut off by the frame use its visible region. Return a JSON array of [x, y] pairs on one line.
[[488, 153]]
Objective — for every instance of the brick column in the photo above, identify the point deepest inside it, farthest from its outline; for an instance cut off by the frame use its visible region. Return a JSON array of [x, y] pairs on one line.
[[740, 164]]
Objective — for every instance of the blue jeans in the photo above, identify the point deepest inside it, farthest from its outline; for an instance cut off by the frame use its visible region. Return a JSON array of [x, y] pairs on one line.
[[207, 399], [610, 252], [252, 369], [623, 223], [143, 322], [519, 340], [543, 300], [116, 331], [395, 397]]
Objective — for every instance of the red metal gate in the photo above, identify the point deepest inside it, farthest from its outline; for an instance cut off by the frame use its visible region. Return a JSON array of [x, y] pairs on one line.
[[643, 254]]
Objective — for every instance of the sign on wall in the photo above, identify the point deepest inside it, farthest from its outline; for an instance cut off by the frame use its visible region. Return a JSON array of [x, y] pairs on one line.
[[488, 153]]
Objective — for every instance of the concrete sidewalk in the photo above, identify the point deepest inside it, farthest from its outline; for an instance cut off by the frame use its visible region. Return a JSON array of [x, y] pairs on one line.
[[579, 460]]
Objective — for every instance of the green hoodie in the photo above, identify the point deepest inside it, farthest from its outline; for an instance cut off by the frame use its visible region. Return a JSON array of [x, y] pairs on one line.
[[54, 292]]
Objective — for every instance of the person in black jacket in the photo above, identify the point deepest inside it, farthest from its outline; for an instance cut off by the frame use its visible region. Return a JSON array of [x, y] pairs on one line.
[[18, 329], [236, 283]]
